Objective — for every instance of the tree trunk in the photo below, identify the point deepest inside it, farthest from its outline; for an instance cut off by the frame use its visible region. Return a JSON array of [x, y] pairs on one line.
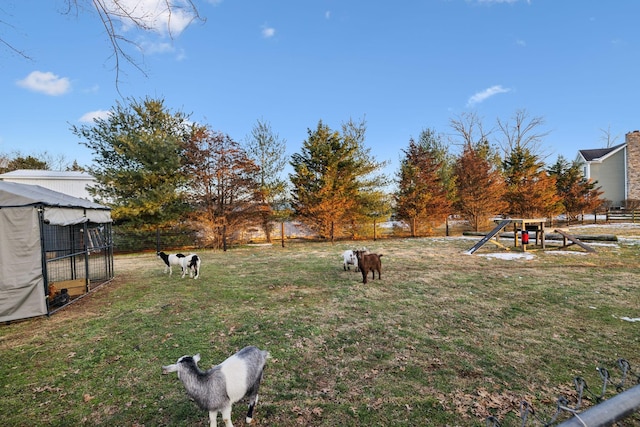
[[374, 230], [224, 238]]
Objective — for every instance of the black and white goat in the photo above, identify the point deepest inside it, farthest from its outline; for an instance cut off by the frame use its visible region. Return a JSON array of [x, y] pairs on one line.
[[216, 389], [189, 263]]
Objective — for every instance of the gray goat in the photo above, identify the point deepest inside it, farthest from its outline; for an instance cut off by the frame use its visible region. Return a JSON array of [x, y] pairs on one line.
[[216, 389]]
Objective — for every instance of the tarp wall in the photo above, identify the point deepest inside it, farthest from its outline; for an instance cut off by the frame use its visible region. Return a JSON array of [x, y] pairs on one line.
[[21, 280]]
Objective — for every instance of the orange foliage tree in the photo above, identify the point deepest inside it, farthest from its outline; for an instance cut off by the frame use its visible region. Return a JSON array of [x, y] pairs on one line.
[[422, 197]]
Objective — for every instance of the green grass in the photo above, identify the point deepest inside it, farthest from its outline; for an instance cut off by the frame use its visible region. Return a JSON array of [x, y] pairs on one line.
[[444, 339]]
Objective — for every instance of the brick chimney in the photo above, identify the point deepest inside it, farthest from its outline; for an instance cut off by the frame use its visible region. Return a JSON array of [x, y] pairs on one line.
[[633, 164]]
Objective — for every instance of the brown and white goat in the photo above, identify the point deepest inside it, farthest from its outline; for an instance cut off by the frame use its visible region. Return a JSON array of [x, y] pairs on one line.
[[369, 263]]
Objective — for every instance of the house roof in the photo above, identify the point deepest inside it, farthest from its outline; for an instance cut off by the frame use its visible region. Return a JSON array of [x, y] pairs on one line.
[[40, 174], [13, 194], [600, 153]]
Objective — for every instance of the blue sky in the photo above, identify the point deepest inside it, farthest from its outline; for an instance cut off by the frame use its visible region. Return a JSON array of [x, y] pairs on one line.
[[404, 66]]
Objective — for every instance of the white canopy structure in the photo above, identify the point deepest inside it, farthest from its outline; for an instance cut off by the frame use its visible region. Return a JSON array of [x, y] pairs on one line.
[[48, 237]]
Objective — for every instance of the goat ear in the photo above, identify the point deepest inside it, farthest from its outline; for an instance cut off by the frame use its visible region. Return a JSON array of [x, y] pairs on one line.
[[196, 358], [169, 368]]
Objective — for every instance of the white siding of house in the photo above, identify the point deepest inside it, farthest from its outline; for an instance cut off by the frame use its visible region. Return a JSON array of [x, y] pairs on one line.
[[610, 175], [72, 183]]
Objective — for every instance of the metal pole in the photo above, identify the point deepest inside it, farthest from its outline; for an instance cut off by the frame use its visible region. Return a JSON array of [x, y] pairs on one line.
[[608, 412]]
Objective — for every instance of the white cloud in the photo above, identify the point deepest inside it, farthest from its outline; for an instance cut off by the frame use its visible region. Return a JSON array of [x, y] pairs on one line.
[[521, 42], [93, 89], [150, 48], [268, 32], [485, 94], [327, 14], [162, 16], [47, 83], [91, 115]]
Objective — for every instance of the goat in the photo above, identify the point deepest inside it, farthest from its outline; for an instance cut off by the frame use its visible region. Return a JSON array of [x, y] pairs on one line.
[[369, 263], [186, 262], [192, 263], [216, 389], [349, 258]]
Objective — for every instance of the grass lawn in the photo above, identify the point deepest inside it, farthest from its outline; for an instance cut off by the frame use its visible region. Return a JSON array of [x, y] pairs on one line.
[[444, 339]]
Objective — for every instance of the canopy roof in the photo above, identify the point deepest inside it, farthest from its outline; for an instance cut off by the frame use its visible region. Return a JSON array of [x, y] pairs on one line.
[[13, 195], [59, 208]]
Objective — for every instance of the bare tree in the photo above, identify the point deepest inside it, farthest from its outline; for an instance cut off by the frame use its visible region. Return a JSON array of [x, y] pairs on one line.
[[607, 137], [168, 17], [468, 126], [522, 132]]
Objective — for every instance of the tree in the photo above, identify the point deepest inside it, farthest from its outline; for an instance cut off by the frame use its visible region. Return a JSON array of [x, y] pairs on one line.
[[608, 138], [372, 202], [24, 162], [577, 194], [39, 161], [223, 188], [267, 151], [480, 187], [331, 175], [138, 162], [422, 197], [119, 16], [530, 191]]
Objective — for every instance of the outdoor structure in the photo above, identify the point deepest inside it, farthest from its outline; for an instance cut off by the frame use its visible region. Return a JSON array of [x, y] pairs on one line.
[[73, 183], [54, 249], [616, 169], [522, 228]]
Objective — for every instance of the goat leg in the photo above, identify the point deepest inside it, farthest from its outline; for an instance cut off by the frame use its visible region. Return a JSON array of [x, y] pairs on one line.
[[226, 416], [252, 404], [213, 418]]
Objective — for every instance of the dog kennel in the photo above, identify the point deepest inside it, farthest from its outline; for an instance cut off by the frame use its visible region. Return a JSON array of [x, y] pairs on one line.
[[54, 248]]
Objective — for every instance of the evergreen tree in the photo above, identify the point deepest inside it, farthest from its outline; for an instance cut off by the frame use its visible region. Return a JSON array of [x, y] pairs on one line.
[[480, 187], [138, 158], [26, 162], [422, 197], [372, 202], [267, 151], [331, 175], [577, 194], [434, 144], [531, 192]]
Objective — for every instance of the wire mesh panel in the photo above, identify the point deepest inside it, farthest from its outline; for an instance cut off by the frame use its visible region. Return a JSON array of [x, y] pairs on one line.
[[77, 258]]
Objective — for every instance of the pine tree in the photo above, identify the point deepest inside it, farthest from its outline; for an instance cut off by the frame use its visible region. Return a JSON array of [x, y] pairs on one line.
[[577, 194], [267, 151], [422, 198], [480, 187], [330, 176], [138, 159], [531, 192]]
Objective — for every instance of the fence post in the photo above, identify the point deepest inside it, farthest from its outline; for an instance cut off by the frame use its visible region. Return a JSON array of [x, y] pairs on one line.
[[609, 411]]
